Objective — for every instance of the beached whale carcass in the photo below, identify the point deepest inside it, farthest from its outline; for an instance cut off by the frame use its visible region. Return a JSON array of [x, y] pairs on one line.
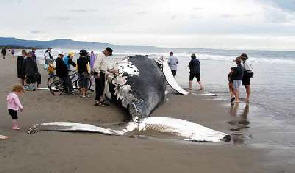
[[139, 86]]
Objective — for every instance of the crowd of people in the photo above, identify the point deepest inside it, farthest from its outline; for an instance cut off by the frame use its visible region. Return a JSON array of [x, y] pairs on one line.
[[90, 66], [239, 75]]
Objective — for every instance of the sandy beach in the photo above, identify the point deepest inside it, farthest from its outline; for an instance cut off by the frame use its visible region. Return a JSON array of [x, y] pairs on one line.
[[86, 152]]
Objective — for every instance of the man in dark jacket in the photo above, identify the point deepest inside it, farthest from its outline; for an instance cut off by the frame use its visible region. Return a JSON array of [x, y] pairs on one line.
[[194, 67], [30, 70], [63, 74], [3, 52]]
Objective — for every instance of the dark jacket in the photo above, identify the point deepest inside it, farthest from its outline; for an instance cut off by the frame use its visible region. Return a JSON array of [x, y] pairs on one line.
[[20, 67], [61, 68], [238, 73], [82, 64], [194, 66], [3, 51], [30, 67]]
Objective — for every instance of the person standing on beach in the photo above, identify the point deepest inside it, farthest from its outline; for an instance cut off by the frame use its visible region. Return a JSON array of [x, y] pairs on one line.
[[63, 74], [248, 74], [47, 57], [230, 84], [194, 67], [20, 66], [31, 71], [173, 61], [68, 60], [100, 68], [33, 52], [92, 59], [83, 69], [14, 104], [237, 77], [12, 52], [3, 52]]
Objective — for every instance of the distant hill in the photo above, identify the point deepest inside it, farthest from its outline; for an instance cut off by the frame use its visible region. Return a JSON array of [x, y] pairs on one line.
[[71, 44]]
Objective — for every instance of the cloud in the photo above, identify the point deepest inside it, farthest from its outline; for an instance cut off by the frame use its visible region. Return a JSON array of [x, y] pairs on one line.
[[150, 21], [142, 12], [288, 5], [35, 32], [82, 10]]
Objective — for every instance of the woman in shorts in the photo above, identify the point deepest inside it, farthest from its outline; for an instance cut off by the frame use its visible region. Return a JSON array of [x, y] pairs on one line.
[[246, 78]]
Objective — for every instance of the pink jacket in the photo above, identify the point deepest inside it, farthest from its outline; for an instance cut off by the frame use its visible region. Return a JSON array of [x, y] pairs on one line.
[[13, 102]]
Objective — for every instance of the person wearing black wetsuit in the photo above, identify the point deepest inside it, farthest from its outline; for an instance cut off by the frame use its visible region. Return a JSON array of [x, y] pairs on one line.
[[194, 67]]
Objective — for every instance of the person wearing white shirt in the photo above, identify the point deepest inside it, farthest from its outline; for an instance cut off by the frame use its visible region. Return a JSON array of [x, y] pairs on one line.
[[173, 61], [100, 68], [246, 77]]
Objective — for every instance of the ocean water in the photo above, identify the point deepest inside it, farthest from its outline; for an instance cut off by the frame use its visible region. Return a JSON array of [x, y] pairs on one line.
[[269, 120]]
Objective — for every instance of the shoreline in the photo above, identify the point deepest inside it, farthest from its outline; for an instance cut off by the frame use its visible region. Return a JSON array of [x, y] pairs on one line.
[[86, 152]]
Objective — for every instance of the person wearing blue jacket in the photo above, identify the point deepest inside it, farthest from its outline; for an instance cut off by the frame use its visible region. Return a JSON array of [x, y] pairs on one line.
[[194, 67]]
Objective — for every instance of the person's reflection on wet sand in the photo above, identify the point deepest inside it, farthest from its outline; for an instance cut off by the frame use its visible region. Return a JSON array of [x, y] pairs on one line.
[[238, 123]]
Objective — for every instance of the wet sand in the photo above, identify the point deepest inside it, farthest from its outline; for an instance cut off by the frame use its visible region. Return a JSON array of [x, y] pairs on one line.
[[86, 152]]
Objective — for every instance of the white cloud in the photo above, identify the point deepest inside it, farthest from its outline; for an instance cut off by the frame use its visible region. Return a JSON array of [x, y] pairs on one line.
[[173, 23]]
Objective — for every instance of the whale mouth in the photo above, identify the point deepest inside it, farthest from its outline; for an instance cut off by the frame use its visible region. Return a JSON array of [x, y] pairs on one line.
[[150, 126]]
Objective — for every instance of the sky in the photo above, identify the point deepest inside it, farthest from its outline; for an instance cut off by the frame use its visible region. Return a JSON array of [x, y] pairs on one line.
[[225, 24]]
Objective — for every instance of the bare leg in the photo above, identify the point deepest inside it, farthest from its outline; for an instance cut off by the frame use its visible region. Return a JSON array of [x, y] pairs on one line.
[[190, 85], [237, 95], [231, 90], [201, 86], [248, 91]]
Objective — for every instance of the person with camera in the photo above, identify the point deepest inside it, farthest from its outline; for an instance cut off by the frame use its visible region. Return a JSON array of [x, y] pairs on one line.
[[248, 74]]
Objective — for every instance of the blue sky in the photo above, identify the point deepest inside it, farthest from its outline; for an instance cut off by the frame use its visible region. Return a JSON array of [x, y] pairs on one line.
[[230, 24]]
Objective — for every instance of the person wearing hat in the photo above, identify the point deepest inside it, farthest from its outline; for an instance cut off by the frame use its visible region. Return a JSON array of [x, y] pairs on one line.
[[83, 69], [68, 60], [100, 68], [248, 74], [173, 61], [194, 67]]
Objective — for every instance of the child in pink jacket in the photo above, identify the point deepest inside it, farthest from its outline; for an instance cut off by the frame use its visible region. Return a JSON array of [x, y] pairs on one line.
[[14, 105]]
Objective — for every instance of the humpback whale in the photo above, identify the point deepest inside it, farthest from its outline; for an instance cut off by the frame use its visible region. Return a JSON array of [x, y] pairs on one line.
[[139, 87]]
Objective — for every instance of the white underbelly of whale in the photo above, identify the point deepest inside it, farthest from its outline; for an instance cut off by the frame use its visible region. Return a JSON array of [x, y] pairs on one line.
[[182, 128]]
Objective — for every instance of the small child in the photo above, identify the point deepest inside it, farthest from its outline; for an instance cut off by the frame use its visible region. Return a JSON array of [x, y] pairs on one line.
[[14, 105], [230, 84]]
